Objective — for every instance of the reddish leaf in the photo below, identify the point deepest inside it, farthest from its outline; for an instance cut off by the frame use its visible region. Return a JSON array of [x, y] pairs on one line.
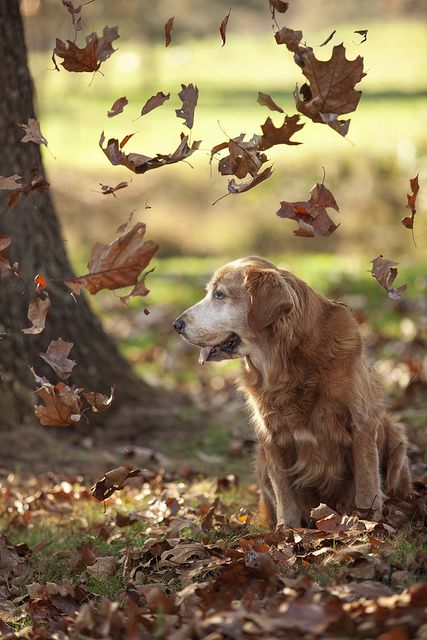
[[267, 101], [56, 357], [10, 183], [223, 28], [113, 480], [107, 190], [139, 163], [117, 107], [189, 96], [125, 139], [311, 215], [272, 135], [154, 102], [98, 401], [37, 312], [408, 222], [384, 271], [40, 283], [330, 91], [88, 58], [62, 404], [168, 31], [278, 5], [118, 264], [139, 289]]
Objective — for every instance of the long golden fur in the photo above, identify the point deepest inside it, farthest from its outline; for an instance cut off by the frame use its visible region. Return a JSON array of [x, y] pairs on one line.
[[323, 433]]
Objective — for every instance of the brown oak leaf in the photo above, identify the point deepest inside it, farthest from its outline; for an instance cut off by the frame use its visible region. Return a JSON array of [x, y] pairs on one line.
[[168, 31], [249, 184], [384, 271], [223, 28], [33, 132], [98, 401], [118, 264], [272, 135], [139, 163], [278, 5], [74, 12], [105, 48], [106, 190], [88, 58], [37, 312], [139, 289], [10, 182], [289, 37], [408, 221], [311, 215], [189, 96], [56, 357], [62, 406], [113, 480], [5, 267], [117, 107], [154, 102], [266, 100]]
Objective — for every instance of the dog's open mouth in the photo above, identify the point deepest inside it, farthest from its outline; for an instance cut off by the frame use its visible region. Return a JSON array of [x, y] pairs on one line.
[[221, 351]]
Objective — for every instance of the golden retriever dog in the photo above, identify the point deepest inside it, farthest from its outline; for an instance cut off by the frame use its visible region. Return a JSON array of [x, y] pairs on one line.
[[323, 433]]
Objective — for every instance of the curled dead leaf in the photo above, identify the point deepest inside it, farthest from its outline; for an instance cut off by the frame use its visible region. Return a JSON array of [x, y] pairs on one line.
[[384, 271], [117, 107], [56, 357], [113, 480], [37, 312], [311, 215]]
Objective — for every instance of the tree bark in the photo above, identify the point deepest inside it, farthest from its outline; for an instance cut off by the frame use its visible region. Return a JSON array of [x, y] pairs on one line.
[[38, 247]]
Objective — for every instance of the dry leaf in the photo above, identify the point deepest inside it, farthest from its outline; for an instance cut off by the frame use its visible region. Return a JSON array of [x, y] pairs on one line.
[[106, 190], [154, 102], [103, 567], [5, 267], [117, 107], [40, 283], [118, 264], [36, 182], [272, 135], [311, 215], [37, 312], [223, 28], [10, 183], [113, 480], [278, 5], [408, 222], [267, 101], [250, 184], [32, 132], [384, 271], [168, 31], [98, 401], [62, 404], [189, 96], [139, 163], [56, 357], [139, 289], [90, 57]]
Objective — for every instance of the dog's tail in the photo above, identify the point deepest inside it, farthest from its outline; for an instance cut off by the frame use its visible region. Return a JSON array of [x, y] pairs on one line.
[[397, 477]]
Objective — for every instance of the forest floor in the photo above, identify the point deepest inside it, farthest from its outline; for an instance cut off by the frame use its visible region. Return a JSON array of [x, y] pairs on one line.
[[178, 552]]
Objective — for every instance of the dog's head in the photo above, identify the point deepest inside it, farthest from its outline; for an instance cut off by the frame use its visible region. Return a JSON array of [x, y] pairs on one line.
[[243, 298]]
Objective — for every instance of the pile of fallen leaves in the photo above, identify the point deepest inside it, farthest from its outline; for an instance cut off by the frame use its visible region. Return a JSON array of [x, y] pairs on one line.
[[176, 558]]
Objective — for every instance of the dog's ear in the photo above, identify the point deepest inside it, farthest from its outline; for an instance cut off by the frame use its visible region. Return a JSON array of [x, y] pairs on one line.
[[269, 296]]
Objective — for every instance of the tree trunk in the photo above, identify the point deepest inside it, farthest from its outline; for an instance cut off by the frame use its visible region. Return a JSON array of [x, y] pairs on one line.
[[38, 247]]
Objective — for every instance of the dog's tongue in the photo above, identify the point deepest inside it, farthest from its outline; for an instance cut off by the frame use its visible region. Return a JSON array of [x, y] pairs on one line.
[[204, 354]]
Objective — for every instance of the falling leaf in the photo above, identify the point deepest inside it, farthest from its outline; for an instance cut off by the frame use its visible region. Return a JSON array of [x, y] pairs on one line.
[[168, 31], [37, 312], [139, 163], [384, 271], [139, 289], [330, 90], [88, 58], [113, 480], [118, 264], [223, 28], [75, 11], [32, 132], [312, 215], [125, 139], [62, 406], [267, 101], [98, 401], [278, 5], [272, 135], [56, 357], [328, 39], [250, 184], [408, 222], [117, 107], [154, 102], [363, 33], [5, 267], [40, 283], [106, 190], [189, 96], [36, 182], [10, 183]]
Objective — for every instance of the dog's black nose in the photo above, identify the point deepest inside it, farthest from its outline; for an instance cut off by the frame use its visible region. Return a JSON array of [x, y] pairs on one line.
[[179, 325]]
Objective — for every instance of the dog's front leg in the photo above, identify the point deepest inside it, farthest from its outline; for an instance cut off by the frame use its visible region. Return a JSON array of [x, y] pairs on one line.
[[288, 512], [368, 495]]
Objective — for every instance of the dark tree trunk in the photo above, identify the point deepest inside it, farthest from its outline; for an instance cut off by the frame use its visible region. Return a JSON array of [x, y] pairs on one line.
[[38, 247]]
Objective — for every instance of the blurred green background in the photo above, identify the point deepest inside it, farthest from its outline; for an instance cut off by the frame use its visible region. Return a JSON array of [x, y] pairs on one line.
[[368, 172]]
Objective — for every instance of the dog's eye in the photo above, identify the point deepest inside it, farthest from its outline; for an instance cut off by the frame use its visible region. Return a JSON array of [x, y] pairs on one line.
[[218, 294]]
